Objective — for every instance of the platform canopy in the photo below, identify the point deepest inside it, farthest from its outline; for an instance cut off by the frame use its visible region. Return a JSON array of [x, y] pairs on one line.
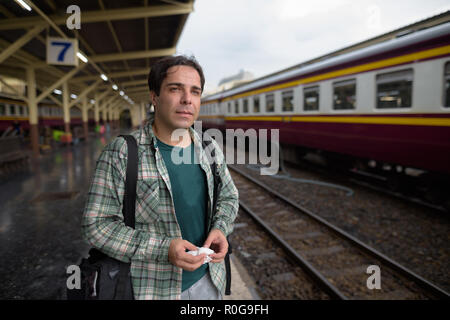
[[120, 39]]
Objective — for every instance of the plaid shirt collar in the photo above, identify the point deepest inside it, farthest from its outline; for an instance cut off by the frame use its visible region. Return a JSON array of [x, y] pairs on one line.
[[148, 137]]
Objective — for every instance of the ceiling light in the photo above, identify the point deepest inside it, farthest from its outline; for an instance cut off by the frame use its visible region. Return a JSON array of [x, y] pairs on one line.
[[115, 87], [105, 78], [24, 5], [82, 57]]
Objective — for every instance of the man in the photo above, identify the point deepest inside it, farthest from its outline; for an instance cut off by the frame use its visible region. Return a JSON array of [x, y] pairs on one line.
[[173, 203]]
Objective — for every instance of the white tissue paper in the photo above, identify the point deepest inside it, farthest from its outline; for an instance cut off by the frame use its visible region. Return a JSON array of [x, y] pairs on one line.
[[202, 250]]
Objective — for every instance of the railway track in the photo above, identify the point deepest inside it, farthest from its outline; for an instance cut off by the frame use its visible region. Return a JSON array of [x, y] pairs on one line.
[[377, 183], [340, 264]]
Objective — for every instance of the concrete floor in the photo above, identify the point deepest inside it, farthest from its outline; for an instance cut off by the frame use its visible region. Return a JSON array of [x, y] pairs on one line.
[[40, 221]]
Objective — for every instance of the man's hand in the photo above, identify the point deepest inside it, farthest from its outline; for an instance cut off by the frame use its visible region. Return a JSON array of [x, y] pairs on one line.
[[180, 258], [218, 242]]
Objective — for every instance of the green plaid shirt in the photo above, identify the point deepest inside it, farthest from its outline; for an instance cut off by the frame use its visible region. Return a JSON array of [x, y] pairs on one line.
[[147, 246]]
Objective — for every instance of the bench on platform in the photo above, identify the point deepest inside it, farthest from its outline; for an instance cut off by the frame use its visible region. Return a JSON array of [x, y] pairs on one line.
[[12, 154]]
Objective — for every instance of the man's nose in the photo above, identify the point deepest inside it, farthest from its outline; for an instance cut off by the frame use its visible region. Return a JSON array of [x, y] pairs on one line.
[[186, 97]]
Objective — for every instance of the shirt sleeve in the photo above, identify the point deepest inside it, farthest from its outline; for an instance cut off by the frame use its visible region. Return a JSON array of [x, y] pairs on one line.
[[103, 224]]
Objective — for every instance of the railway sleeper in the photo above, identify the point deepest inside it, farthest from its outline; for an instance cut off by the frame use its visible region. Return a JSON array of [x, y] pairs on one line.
[[303, 236], [284, 277], [323, 251], [397, 294]]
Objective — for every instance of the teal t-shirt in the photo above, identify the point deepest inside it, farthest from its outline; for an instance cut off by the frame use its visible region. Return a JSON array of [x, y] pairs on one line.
[[189, 191]]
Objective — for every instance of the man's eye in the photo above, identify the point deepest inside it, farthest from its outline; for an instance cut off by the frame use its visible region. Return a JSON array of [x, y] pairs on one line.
[[197, 93], [174, 89]]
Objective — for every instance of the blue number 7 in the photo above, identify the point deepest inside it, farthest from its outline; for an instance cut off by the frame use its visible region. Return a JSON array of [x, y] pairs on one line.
[[66, 45]]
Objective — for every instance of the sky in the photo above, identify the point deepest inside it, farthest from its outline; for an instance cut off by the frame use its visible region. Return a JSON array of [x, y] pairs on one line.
[[265, 36]]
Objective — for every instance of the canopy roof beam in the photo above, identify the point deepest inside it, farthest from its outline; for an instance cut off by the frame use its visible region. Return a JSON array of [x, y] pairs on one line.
[[20, 42], [100, 15], [133, 55]]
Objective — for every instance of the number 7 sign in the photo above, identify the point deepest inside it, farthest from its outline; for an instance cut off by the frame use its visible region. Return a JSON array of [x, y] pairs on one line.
[[62, 51]]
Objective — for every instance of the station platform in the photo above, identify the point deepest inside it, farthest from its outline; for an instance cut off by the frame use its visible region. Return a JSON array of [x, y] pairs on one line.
[[242, 286], [40, 224]]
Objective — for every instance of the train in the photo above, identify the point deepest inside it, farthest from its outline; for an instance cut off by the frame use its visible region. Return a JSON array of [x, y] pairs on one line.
[[50, 115], [383, 108]]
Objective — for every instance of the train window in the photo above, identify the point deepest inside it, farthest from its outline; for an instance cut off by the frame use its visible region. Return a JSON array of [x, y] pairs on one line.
[[12, 110], [245, 106], [344, 97], [394, 89], [256, 104], [236, 107], [288, 100], [229, 107], [2, 109], [311, 98], [447, 84], [21, 110], [270, 103]]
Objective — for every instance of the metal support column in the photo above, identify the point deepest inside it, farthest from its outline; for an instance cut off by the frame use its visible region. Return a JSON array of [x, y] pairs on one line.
[[96, 109], [66, 109], [33, 111], [84, 118]]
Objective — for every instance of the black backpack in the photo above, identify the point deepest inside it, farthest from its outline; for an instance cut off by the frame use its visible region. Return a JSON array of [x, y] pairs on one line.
[[103, 277]]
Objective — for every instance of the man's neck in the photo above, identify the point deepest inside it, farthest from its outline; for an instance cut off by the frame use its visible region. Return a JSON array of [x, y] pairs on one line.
[[182, 136]]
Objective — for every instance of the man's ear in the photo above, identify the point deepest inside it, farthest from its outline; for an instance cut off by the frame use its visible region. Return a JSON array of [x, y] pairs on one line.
[[154, 98]]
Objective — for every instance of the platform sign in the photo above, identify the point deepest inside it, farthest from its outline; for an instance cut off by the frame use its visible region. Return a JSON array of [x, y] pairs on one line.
[[62, 51]]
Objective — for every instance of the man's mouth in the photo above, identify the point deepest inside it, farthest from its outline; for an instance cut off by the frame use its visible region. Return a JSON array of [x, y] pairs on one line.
[[185, 112]]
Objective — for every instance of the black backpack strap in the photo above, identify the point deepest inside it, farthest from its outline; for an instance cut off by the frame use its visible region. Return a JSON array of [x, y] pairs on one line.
[[129, 199], [217, 185], [129, 204], [228, 270]]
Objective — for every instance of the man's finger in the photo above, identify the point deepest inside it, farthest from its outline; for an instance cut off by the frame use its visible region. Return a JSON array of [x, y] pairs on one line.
[[189, 258], [189, 246], [217, 257], [208, 241], [191, 263]]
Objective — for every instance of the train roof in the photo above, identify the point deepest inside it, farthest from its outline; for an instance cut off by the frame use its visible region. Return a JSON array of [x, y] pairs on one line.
[[434, 27]]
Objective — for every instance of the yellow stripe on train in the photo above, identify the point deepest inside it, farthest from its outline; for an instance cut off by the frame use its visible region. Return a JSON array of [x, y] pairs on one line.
[[415, 121]]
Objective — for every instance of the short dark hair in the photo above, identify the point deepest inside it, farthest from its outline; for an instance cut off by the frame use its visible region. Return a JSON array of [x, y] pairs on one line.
[[158, 71]]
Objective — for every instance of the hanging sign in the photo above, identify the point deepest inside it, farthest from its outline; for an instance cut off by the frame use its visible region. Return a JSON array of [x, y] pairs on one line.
[[62, 51]]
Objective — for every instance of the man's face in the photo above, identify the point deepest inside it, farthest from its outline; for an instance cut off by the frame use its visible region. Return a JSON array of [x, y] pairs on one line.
[[178, 103]]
